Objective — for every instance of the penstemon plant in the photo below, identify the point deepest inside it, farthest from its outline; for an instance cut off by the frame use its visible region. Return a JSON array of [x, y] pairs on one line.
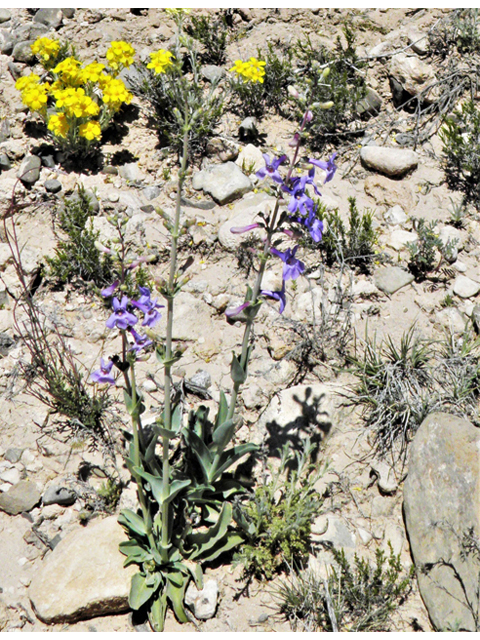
[[185, 510]]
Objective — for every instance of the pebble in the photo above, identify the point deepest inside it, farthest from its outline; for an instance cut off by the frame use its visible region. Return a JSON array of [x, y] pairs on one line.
[[13, 476], [5, 15], [152, 192], [399, 238], [59, 495], [203, 603], [248, 128], [22, 52], [21, 497], [13, 454], [250, 159], [29, 171], [390, 161], [391, 279], [465, 287], [395, 216], [224, 182], [52, 186], [50, 17], [212, 73]]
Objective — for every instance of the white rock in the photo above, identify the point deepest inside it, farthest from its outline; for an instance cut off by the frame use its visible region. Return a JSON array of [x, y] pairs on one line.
[[244, 214], [399, 238], [250, 158], [413, 74], [12, 476], [364, 535], [465, 287], [389, 160], [203, 603], [395, 215]]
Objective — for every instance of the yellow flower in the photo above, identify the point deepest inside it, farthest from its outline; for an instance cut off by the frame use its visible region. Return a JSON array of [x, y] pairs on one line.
[[35, 97], [45, 48], [92, 72], [160, 61], [120, 54], [68, 71], [115, 93], [76, 103], [176, 12], [26, 82], [90, 130], [58, 125], [251, 71]]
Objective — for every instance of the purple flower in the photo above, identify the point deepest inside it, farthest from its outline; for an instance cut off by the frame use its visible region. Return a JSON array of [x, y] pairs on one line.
[[121, 318], [299, 200], [230, 313], [328, 166], [148, 307], [140, 342], [314, 225], [292, 267], [277, 295], [103, 374], [245, 229], [271, 168], [109, 291]]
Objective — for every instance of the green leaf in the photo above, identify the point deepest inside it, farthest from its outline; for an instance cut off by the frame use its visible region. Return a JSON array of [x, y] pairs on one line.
[[202, 453], [139, 592], [134, 553], [176, 418], [206, 540], [222, 410], [230, 456], [132, 521], [196, 572], [223, 434], [175, 487], [232, 541], [128, 401], [176, 595], [158, 611], [237, 373], [165, 433], [156, 484]]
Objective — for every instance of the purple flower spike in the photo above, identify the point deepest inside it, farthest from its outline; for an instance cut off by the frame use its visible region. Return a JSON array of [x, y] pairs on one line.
[[315, 226], [292, 267], [230, 313], [271, 168], [245, 229], [121, 318], [103, 374], [148, 307], [328, 166], [109, 291], [140, 342], [277, 295]]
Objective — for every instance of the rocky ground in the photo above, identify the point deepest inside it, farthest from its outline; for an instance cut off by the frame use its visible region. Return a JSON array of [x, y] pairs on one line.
[[52, 536]]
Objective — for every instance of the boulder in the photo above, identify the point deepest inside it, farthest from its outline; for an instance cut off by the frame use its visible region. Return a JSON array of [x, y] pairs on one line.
[[84, 576], [442, 516], [245, 213], [389, 160], [21, 497], [224, 182], [50, 17], [414, 76]]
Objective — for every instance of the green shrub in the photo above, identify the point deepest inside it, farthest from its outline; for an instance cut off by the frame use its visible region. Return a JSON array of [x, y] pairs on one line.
[[353, 246], [423, 252], [77, 256], [276, 519], [214, 33], [344, 85], [461, 147], [358, 598]]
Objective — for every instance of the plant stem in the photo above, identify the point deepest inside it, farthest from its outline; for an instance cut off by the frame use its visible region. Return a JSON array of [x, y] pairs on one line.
[[168, 343]]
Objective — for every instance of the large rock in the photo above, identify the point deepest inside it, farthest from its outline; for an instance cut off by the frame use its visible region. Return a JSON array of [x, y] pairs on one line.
[[29, 171], [84, 576], [21, 497], [391, 279], [388, 160], [441, 506], [224, 182], [414, 76], [50, 17], [245, 213], [389, 192], [465, 287]]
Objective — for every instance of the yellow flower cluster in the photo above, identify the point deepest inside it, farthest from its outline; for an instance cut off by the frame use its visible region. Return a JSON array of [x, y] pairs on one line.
[[160, 61], [46, 49], [251, 71], [120, 55], [85, 98]]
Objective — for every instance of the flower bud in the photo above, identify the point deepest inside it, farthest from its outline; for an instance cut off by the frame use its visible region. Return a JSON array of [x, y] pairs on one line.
[[292, 92], [308, 116], [326, 105], [326, 73], [102, 248]]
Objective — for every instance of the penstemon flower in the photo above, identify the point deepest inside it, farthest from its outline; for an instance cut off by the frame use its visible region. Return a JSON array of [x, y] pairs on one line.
[[104, 374], [121, 317], [292, 267]]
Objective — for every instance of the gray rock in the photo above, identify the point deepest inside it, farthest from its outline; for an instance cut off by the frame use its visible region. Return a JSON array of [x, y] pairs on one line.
[[391, 279], [245, 213], [203, 603], [418, 41], [94, 203], [6, 343], [5, 15], [48, 161], [441, 505], [212, 73], [151, 193], [413, 75], [132, 172], [84, 576], [370, 104], [395, 215], [68, 13], [387, 483], [29, 171], [133, 76], [224, 182], [332, 528], [202, 379], [52, 186], [52, 18], [6, 42], [222, 149], [13, 454], [21, 497], [465, 288], [22, 52], [59, 495], [5, 164], [388, 160], [248, 129]]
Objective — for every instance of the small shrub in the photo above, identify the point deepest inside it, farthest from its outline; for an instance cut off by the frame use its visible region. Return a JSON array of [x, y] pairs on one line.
[[458, 214], [423, 252], [76, 103], [214, 34], [355, 246], [358, 598], [276, 520], [343, 85], [461, 146], [77, 256]]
